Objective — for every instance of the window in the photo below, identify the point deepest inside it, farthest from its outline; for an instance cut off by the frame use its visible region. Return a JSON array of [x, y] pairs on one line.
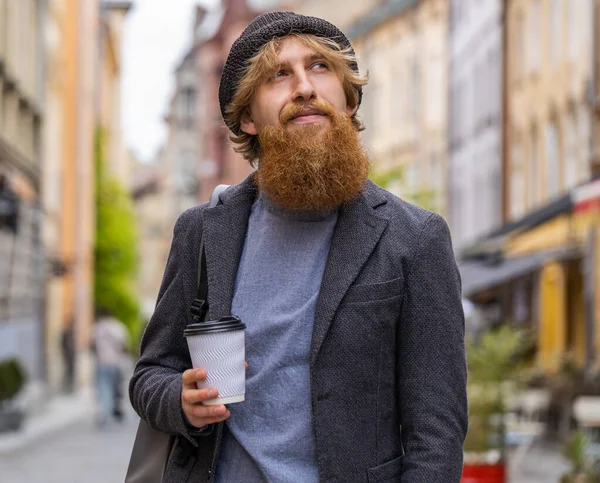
[[573, 30], [188, 107], [534, 36], [571, 159], [555, 30], [398, 98], [534, 171], [519, 64], [495, 185], [583, 141], [436, 180], [457, 206], [187, 172], [517, 181], [415, 80], [586, 21], [553, 185], [413, 181]]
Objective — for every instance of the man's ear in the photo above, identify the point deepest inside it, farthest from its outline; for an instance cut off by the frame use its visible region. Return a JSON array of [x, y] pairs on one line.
[[247, 124]]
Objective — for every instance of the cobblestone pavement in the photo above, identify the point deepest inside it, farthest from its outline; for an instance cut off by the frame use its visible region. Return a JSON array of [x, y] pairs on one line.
[[78, 454]]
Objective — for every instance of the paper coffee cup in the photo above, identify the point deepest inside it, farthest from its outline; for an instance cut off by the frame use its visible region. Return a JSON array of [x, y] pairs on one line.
[[219, 347]]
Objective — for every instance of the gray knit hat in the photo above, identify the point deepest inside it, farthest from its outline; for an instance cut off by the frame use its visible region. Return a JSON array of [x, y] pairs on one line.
[[261, 30]]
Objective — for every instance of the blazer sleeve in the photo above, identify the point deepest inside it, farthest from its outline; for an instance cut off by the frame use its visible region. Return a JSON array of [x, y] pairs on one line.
[[155, 388], [432, 373]]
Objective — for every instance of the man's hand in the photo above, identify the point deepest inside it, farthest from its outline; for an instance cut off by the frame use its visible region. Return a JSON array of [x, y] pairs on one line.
[[191, 400]]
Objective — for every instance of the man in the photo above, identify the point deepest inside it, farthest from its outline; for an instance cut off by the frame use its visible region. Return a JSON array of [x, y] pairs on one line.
[[351, 296], [109, 343]]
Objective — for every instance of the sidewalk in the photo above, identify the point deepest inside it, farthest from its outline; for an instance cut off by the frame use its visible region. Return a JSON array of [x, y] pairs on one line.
[[543, 463], [59, 413]]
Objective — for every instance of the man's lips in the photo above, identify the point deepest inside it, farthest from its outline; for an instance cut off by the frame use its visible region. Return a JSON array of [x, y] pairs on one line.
[[308, 116]]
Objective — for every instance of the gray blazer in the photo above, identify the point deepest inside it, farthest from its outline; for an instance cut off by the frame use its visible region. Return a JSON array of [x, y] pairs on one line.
[[388, 372]]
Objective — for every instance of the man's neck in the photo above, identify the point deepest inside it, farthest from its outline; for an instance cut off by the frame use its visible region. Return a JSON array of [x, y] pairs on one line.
[[294, 215]]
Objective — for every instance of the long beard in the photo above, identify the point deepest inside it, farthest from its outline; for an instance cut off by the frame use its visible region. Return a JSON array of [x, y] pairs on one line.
[[313, 168]]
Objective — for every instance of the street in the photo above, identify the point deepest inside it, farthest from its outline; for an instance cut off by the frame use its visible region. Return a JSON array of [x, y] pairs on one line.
[[84, 454], [77, 454]]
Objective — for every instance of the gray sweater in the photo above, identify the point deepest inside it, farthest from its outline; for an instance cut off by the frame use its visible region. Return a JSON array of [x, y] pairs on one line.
[[270, 436]]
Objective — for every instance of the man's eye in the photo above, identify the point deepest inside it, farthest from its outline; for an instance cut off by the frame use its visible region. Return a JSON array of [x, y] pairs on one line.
[[279, 73], [320, 65]]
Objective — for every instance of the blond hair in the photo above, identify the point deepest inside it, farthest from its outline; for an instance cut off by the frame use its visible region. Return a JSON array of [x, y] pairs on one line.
[[266, 63]]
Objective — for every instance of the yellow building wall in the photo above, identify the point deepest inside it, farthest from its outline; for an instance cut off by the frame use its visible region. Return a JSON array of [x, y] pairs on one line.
[[552, 327], [576, 314], [69, 107]]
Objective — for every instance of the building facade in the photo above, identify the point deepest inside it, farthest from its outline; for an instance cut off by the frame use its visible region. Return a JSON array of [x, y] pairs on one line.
[[108, 90], [550, 52], [217, 163], [475, 163], [153, 204], [21, 124], [341, 13], [541, 266], [405, 102], [71, 50], [180, 152], [82, 49]]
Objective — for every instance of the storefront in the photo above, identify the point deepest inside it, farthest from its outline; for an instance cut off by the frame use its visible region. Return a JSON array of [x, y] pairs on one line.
[[541, 272]]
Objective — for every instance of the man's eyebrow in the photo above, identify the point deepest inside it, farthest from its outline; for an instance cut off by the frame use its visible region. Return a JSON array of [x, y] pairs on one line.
[[307, 58]]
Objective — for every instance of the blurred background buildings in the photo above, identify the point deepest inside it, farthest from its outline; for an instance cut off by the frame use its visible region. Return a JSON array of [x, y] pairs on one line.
[[486, 111]]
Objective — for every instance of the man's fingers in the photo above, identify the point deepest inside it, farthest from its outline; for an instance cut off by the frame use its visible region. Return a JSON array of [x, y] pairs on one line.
[[203, 421], [222, 418], [217, 411], [194, 396], [246, 365], [191, 376]]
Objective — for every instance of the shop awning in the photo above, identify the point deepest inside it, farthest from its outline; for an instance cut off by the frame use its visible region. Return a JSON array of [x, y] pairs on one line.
[[480, 275]]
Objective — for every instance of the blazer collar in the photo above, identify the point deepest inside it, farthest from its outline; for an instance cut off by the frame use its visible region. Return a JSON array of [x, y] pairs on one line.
[[357, 232]]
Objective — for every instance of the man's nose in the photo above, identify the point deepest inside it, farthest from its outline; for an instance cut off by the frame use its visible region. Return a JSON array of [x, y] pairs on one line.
[[304, 90]]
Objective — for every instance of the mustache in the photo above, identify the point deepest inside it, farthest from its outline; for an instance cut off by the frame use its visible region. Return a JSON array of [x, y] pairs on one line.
[[291, 111]]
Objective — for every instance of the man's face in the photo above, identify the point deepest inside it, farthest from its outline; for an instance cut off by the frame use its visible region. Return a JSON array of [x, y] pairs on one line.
[[303, 77]]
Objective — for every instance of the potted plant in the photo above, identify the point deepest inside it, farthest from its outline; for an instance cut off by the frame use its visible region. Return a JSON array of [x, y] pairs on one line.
[[583, 464], [495, 365], [12, 380]]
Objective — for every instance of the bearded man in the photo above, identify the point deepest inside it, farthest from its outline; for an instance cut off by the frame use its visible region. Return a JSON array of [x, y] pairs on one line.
[[351, 297]]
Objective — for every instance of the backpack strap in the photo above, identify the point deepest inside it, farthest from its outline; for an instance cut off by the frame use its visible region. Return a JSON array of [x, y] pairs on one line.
[[199, 306]]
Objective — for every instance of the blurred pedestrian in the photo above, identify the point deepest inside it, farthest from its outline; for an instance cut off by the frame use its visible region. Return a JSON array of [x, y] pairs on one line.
[[109, 344], [67, 344], [351, 296]]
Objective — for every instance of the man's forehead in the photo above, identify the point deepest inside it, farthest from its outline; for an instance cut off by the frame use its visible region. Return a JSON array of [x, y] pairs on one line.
[[293, 49]]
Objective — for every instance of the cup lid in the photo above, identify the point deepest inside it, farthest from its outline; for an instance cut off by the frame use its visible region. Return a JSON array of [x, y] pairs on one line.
[[224, 324]]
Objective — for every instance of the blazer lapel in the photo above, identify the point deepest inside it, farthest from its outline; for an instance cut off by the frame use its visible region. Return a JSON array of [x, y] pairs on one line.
[[224, 232], [356, 234]]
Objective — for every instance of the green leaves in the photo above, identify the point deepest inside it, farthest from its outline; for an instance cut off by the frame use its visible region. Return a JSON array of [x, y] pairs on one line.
[[394, 177], [496, 357], [12, 379], [496, 366], [115, 253]]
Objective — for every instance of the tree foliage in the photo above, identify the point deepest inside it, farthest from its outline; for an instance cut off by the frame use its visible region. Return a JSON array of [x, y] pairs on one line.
[[390, 177], [115, 254]]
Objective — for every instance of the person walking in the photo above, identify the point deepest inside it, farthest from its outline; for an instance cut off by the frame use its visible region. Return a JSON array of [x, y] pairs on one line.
[[109, 345], [351, 296]]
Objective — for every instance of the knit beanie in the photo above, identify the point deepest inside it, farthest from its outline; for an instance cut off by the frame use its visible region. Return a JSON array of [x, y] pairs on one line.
[[260, 31]]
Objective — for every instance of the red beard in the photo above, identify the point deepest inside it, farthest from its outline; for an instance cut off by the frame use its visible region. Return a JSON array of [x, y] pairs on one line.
[[313, 167]]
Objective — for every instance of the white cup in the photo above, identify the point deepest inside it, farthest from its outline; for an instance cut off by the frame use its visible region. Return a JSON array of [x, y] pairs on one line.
[[219, 348]]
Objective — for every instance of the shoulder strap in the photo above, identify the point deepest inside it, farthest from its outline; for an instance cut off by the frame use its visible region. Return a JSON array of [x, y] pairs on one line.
[[199, 306]]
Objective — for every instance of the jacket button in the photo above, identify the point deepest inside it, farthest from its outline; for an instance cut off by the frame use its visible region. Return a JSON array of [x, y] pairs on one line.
[[323, 396]]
